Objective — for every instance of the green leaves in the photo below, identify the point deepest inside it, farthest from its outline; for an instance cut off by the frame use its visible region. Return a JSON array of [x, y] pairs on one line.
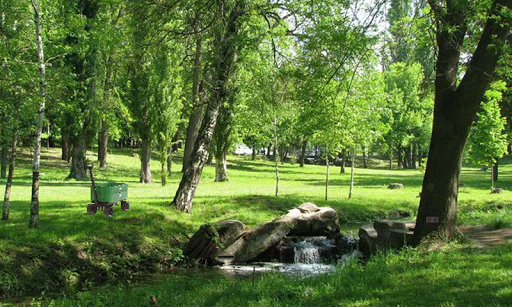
[[487, 140]]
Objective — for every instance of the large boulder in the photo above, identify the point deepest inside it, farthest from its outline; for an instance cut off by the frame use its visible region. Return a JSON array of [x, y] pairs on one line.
[[395, 186], [210, 239], [367, 240], [258, 240], [230, 242], [314, 221], [385, 234]]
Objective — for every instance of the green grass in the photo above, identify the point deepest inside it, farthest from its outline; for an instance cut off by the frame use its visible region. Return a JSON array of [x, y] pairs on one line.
[[456, 277], [72, 250]]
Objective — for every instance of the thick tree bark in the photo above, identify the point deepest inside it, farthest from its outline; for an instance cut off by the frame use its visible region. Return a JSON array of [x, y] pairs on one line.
[[34, 204], [222, 134], [12, 160], [210, 159], [79, 160], [145, 161], [454, 111], [303, 153], [225, 41], [221, 166], [65, 147], [87, 77], [196, 115], [103, 146], [70, 151], [3, 171]]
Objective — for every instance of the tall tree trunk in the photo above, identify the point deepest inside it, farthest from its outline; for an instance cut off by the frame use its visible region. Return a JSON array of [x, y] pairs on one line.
[[253, 154], [65, 147], [303, 152], [221, 166], [70, 151], [352, 167], [145, 161], [79, 160], [103, 145], [343, 161], [34, 204], [276, 157], [169, 162], [455, 108], [197, 110], [226, 42], [12, 160], [210, 159], [4, 158], [269, 156], [326, 172], [222, 135], [495, 171]]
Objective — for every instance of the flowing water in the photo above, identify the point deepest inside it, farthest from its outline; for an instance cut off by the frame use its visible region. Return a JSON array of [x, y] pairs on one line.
[[307, 261], [306, 252]]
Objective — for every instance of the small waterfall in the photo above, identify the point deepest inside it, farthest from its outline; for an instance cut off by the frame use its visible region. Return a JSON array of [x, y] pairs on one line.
[[306, 252]]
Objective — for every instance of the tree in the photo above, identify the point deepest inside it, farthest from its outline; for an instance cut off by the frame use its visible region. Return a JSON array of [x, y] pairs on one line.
[[197, 109], [36, 162], [487, 142], [409, 117], [83, 113], [456, 105], [110, 43], [17, 103], [225, 39], [154, 87]]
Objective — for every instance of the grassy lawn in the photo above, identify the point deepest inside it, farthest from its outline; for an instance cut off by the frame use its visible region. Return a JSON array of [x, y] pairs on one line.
[[73, 251]]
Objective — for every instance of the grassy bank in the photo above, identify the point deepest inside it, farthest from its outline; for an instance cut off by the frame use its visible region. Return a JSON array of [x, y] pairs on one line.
[[72, 250], [457, 276]]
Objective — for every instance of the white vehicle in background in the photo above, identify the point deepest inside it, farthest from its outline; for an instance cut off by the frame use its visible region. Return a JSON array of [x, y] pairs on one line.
[[241, 149]]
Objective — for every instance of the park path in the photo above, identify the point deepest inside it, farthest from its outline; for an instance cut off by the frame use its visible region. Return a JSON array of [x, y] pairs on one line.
[[485, 237]]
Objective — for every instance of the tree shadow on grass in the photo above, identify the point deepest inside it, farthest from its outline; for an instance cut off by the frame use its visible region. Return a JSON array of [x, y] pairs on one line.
[[248, 208]]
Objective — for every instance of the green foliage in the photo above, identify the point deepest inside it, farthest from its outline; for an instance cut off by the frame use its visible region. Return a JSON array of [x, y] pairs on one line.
[[148, 238], [487, 140], [409, 112]]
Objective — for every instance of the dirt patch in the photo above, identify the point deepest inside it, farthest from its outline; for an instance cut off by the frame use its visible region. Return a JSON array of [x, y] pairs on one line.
[[487, 237]]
